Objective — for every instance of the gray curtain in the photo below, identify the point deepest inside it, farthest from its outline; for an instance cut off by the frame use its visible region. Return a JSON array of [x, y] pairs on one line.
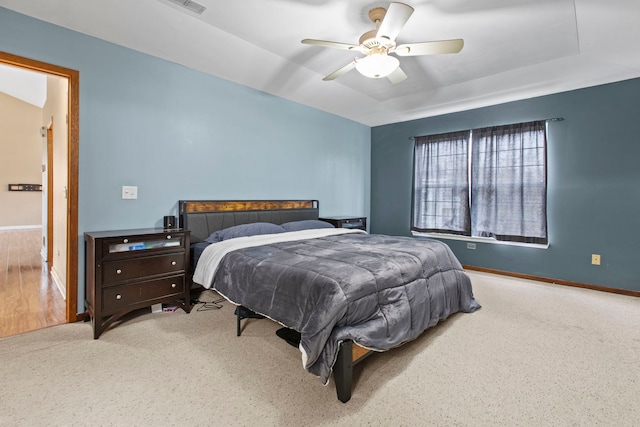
[[441, 184], [508, 182]]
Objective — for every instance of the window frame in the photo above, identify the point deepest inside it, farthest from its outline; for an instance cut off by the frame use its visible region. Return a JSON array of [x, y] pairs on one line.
[[433, 233]]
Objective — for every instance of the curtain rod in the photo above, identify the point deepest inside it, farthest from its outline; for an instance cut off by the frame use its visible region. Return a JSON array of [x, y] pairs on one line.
[[553, 119]]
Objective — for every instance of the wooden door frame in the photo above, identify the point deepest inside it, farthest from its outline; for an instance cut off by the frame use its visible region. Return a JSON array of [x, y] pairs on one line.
[[73, 141], [50, 197]]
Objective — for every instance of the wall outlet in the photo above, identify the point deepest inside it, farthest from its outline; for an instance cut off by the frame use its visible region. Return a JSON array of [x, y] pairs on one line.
[[595, 259], [471, 245], [129, 192]]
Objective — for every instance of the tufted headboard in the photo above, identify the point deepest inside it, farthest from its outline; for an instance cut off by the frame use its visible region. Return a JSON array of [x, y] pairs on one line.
[[203, 217]]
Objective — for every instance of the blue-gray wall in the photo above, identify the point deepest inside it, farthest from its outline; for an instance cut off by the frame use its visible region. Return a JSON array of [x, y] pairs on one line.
[[176, 133], [593, 184]]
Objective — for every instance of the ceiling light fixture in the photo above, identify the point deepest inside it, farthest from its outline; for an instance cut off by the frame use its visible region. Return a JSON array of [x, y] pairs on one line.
[[377, 65]]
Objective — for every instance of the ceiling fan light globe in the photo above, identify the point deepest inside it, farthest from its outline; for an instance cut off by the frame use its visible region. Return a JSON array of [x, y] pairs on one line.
[[377, 65]]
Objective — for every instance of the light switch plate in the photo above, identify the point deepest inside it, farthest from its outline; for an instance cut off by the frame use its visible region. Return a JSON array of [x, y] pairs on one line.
[[129, 192]]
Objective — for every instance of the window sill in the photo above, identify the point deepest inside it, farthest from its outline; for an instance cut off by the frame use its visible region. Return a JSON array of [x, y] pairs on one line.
[[478, 240]]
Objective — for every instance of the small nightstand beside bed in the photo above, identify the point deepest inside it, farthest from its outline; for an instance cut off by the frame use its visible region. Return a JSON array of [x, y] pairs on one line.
[[345, 291]]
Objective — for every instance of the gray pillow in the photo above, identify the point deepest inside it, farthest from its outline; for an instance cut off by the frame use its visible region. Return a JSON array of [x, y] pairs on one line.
[[244, 230], [306, 224]]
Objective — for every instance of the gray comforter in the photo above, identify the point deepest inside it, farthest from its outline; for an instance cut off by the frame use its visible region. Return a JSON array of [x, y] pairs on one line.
[[379, 291]]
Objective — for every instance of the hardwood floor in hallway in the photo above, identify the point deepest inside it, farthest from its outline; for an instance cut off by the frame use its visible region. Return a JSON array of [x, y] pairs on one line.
[[29, 299]]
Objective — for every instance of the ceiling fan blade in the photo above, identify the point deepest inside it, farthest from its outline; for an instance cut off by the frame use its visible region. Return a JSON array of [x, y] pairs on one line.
[[397, 76], [430, 48], [336, 45], [397, 15], [350, 66]]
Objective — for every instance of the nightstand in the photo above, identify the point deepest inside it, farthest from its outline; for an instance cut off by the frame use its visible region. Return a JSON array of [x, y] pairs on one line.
[[347, 221], [131, 269]]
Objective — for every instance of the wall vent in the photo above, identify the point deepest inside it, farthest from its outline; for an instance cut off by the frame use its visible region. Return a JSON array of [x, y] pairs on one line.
[[191, 5]]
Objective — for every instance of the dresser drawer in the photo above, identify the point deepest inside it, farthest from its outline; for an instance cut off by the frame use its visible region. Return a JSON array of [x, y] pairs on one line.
[[133, 268], [347, 222], [354, 223], [143, 245], [141, 292]]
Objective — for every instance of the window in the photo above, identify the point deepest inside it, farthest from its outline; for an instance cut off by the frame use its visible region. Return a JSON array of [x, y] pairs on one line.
[[488, 182], [441, 184]]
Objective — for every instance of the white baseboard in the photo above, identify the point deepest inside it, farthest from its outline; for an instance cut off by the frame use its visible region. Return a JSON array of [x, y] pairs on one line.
[[59, 283], [20, 227]]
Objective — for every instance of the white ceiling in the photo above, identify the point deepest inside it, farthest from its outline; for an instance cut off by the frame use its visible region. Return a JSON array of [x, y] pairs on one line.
[[28, 86], [514, 49]]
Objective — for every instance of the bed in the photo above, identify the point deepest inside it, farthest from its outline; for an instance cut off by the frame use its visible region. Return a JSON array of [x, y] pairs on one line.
[[346, 292]]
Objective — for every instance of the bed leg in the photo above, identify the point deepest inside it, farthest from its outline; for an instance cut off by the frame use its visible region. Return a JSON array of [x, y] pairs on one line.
[[343, 372], [244, 313], [238, 319]]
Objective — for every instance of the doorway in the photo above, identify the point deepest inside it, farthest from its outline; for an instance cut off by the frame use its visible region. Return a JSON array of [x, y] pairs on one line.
[[71, 188]]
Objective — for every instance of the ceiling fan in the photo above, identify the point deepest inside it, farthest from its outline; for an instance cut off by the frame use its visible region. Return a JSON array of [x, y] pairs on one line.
[[377, 44]]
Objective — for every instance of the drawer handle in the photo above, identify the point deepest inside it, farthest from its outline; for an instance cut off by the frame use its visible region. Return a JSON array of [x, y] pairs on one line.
[[118, 271], [173, 263], [173, 285], [169, 236], [126, 240], [118, 296]]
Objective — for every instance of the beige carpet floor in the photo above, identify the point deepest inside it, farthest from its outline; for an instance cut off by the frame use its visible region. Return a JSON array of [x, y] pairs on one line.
[[536, 354]]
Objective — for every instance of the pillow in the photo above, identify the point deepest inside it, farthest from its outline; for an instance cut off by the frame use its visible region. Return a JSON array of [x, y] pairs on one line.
[[244, 230], [306, 224]]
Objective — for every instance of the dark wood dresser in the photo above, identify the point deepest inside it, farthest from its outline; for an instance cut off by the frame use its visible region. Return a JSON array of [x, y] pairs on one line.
[[131, 269]]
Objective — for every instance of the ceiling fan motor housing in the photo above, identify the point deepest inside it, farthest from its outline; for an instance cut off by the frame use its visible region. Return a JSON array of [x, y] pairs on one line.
[[370, 41]]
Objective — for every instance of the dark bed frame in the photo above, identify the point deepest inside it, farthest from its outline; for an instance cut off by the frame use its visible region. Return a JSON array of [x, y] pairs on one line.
[[203, 217]]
